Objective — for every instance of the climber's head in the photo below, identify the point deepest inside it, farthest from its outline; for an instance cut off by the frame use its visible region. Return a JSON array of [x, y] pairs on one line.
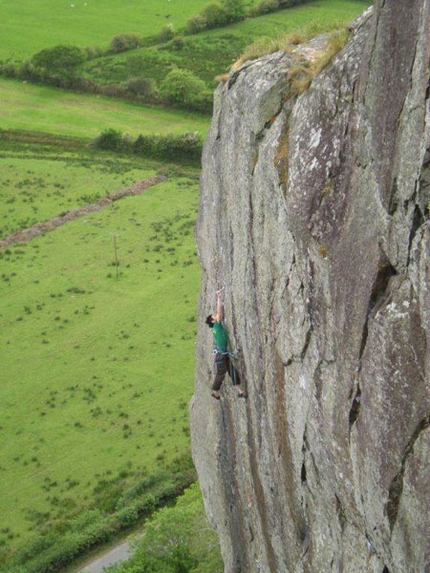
[[210, 320]]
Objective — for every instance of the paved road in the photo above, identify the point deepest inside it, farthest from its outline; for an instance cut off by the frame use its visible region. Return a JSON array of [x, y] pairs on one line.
[[119, 553]]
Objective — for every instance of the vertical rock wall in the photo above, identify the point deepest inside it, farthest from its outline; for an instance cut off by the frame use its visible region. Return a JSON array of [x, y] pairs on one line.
[[314, 215]]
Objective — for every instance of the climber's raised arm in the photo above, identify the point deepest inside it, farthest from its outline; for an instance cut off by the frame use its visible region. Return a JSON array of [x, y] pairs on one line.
[[219, 307]]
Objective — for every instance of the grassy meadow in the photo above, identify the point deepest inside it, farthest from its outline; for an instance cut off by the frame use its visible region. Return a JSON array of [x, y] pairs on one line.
[[53, 184], [41, 108], [28, 27], [97, 369]]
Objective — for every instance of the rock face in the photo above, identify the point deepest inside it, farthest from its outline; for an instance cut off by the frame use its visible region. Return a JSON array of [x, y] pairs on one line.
[[314, 215]]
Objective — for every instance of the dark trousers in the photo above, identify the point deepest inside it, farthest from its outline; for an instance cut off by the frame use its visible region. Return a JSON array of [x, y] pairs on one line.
[[223, 365]]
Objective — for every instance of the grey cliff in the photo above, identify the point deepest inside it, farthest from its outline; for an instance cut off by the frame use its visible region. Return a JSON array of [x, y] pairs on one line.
[[314, 215]]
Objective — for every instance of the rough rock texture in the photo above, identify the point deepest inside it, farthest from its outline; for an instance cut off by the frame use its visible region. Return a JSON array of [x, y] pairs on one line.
[[314, 215]]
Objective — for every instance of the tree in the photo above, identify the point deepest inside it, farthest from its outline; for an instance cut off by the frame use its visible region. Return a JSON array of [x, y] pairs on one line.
[[196, 24], [267, 6], [109, 139], [215, 16], [124, 42], [141, 86], [176, 540], [60, 59], [167, 32], [235, 9], [181, 87]]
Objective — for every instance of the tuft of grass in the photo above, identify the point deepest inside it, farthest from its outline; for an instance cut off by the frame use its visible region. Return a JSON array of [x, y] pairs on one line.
[[335, 43], [322, 251], [337, 36], [223, 78]]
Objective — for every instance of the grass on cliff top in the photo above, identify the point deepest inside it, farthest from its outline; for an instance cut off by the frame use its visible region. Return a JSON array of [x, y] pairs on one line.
[[334, 22], [96, 371], [45, 109]]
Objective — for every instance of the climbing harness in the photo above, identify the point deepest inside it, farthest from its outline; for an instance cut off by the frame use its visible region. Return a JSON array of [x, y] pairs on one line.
[[231, 356]]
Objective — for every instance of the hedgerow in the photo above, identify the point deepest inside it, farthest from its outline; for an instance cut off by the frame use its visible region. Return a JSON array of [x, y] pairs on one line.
[[176, 148], [60, 547]]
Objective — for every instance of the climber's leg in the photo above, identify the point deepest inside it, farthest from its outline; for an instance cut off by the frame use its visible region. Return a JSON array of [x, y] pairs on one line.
[[221, 370]]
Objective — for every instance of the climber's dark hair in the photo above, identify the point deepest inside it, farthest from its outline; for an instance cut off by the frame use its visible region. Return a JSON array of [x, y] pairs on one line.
[[209, 321]]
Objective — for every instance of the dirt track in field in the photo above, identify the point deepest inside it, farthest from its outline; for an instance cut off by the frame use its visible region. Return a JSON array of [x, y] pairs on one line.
[[46, 226]]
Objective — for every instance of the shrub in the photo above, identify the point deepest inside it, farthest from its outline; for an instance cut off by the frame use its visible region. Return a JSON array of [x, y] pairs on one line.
[[234, 9], [127, 516], [93, 52], [59, 59], [215, 16], [177, 43], [181, 87], [124, 42], [267, 6], [109, 139], [141, 86], [113, 90], [186, 147], [196, 24], [167, 32], [176, 540], [9, 69]]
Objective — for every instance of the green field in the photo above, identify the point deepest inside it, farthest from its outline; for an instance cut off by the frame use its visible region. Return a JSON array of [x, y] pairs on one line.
[[51, 186], [27, 27], [96, 370], [40, 108]]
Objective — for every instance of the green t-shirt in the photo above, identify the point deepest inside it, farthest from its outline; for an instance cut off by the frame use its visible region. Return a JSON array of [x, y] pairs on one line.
[[220, 335]]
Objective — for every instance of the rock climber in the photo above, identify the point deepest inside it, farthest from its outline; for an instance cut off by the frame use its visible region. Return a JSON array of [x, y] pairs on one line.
[[223, 364]]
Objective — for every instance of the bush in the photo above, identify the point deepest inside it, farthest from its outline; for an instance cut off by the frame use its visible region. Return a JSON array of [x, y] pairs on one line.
[[127, 516], [167, 32], [55, 550], [215, 16], [10, 70], [176, 540], [181, 87], [186, 147], [110, 139], [196, 24], [59, 59], [267, 6], [235, 10], [180, 148], [124, 42], [141, 86], [177, 43], [93, 52], [113, 90]]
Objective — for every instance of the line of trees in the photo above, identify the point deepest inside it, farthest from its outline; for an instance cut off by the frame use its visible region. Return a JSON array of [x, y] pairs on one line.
[[219, 14], [176, 540], [63, 66], [60, 67], [64, 542]]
